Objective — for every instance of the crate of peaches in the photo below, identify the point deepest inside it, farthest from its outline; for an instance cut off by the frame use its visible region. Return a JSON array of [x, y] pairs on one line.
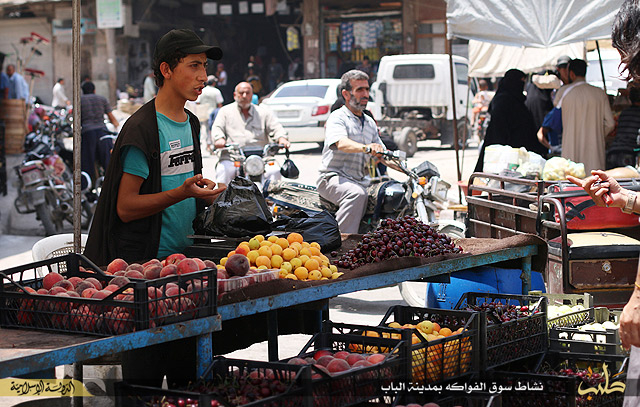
[[261, 259], [71, 294]]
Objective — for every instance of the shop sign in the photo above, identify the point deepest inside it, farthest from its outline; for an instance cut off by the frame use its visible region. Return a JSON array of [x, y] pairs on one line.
[[109, 13]]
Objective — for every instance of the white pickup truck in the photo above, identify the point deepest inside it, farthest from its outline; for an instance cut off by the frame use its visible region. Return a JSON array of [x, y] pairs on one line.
[[412, 98]]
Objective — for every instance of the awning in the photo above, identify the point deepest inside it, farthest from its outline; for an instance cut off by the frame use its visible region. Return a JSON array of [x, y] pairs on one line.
[[531, 23]]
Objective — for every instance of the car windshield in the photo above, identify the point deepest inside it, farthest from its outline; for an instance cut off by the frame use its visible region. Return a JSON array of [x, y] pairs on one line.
[[316, 91]]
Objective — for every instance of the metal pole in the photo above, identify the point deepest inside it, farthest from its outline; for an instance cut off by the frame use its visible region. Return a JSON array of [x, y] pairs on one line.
[[77, 222], [455, 120], [604, 83]]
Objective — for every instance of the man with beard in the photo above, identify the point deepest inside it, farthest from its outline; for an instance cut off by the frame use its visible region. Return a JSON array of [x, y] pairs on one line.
[[248, 125], [350, 136]]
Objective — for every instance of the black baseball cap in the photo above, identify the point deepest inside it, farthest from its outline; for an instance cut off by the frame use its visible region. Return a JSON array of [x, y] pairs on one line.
[[563, 60], [185, 41]]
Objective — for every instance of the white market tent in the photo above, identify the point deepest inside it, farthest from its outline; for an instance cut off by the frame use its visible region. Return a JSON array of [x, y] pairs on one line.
[[529, 24]]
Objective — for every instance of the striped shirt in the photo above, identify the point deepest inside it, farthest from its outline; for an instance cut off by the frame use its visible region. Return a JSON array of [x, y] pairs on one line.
[[343, 123]]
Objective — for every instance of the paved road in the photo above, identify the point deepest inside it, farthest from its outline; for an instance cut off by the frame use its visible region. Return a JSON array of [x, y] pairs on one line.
[[20, 232]]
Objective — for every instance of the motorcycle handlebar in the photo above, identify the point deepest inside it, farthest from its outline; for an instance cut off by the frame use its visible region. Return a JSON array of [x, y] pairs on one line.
[[397, 154]]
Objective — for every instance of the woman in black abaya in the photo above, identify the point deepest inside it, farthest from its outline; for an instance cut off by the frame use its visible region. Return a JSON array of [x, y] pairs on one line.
[[511, 122]]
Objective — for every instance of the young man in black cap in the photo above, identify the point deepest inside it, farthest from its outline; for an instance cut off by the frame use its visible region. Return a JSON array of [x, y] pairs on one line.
[[154, 186]]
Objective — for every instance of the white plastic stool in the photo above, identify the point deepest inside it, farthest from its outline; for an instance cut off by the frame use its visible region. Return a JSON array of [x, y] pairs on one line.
[[53, 246]]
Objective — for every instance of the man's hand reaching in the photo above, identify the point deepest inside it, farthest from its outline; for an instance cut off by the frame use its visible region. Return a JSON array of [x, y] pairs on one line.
[[200, 187], [603, 189]]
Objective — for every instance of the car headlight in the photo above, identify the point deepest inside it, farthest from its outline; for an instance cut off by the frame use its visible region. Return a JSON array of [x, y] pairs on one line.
[[253, 165]]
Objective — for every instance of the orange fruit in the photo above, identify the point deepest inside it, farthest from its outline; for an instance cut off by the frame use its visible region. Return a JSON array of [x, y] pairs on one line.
[[265, 251], [302, 273], [272, 239], [315, 275], [263, 261], [445, 332], [314, 251], [295, 237], [296, 245], [436, 327], [276, 261], [276, 249], [305, 252], [312, 264], [282, 242], [231, 253], [259, 238], [288, 254], [265, 243], [252, 256], [303, 258]]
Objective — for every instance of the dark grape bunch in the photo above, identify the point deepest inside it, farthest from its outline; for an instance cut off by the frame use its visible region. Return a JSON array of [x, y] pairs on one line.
[[498, 313], [401, 237]]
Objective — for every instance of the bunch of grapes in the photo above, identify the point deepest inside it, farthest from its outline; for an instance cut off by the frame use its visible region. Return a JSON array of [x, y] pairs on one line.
[[498, 312], [402, 237]]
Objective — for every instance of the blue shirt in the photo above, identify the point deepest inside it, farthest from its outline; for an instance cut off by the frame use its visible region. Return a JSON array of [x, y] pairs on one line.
[[18, 88], [176, 162], [4, 83]]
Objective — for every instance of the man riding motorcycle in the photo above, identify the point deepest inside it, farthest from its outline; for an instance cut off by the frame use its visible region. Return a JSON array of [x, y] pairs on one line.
[[350, 136], [248, 125]]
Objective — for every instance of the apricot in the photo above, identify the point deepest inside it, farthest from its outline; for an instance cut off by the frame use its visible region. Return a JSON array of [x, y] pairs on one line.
[[295, 237], [263, 267], [445, 332], [295, 262], [282, 242], [117, 265], [305, 252], [272, 238], [263, 261], [302, 273], [276, 261], [276, 249], [315, 275], [265, 251], [326, 272], [237, 265], [283, 273], [252, 256], [254, 243], [51, 279], [243, 249], [291, 276], [288, 254], [333, 268], [265, 243], [315, 244], [303, 258], [287, 266], [312, 264], [314, 251]]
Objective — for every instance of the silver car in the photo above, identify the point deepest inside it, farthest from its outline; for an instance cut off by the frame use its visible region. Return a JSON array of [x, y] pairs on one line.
[[303, 107]]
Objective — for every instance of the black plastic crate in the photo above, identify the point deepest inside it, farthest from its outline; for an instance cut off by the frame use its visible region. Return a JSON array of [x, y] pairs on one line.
[[440, 359], [505, 342], [550, 387], [294, 380], [362, 384], [137, 305], [462, 399], [587, 342]]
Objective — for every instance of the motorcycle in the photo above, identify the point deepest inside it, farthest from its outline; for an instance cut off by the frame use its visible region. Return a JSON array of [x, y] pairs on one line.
[[256, 163], [45, 185], [420, 196]]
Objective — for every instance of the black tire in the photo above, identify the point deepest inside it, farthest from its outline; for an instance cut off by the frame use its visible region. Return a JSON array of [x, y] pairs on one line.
[[446, 133], [407, 141], [45, 218]]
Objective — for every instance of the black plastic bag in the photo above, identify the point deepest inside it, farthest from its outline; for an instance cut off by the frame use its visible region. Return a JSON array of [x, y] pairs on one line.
[[289, 168], [320, 227], [239, 211]]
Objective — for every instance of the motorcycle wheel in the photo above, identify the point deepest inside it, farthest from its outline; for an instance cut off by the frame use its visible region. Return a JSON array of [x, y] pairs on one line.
[[45, 218], [415, 293], [407, 141]]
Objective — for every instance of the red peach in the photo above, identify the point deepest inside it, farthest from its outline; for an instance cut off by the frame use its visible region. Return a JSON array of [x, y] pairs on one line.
[[222, 274], [112, 287], [66, 284], [50, 279], [375, 358], [152, 262], [97, 284], [119, 273], [201, 265], [42, 291], [322, 352], [353, 358], [175, 258], [119, 281], [173, 291], [56, 290], [135, 266], [152, 271], [209, 264], [102, 294], [187, 266], [75, 281], [88, 292], [117, 265], [342, 354], [362, 363], [83, 285], [297, 361], [134, 274], [154, 292], [168, 270], [325, 360], [338, 365]]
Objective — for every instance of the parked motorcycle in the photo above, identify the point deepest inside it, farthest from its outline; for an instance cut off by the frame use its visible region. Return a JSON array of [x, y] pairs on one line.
[[45, 185], [256, 163]]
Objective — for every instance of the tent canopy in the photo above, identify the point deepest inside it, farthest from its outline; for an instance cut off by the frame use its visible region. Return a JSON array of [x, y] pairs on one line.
[[487, 60], [531, 23]]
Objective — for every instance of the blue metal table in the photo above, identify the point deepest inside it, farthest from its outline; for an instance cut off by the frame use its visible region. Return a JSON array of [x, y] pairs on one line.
[[27, 351]]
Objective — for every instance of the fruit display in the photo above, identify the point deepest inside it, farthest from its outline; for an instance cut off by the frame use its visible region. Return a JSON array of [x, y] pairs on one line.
[[443, 342], [108, 302], [234, 382], [291, 256], [590, 338], [406, 236], [515, 325]]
